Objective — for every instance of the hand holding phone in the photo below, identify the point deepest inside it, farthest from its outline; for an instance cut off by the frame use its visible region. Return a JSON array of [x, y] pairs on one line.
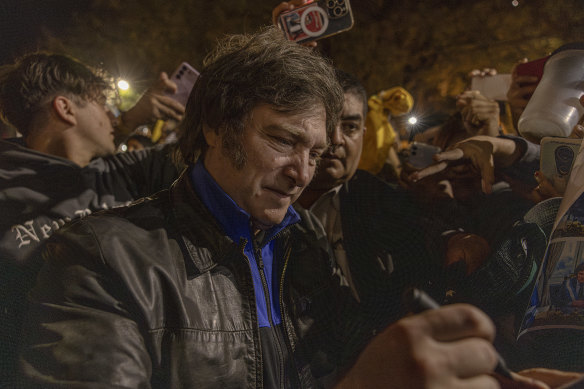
[[316, 20], [184, 77]]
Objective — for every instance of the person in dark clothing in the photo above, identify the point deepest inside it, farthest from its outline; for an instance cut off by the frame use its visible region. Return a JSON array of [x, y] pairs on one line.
[[213, 284], [62, 168], [373, 228]]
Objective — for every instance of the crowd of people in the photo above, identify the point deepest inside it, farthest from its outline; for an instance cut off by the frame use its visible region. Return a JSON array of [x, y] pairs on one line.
[[252, 247]]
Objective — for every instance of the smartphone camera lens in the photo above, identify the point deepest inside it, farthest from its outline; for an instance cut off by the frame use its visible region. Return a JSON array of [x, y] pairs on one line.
[[338, 11], [331, 3], [340, 2]]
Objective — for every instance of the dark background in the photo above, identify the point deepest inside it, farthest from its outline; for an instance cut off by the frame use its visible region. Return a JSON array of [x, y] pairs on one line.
[[427, 46]]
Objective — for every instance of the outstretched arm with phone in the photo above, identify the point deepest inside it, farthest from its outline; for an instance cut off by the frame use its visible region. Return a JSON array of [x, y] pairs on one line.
[[153, 105]]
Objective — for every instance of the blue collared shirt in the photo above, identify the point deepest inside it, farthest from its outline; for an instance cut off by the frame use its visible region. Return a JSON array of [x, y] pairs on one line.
[[237, 225]]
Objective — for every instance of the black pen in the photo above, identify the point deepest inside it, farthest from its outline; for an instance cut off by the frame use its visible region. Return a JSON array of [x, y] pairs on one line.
[[416, 300]]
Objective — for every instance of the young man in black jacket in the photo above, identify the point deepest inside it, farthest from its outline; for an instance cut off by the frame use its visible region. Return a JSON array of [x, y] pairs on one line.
[[63, 167]]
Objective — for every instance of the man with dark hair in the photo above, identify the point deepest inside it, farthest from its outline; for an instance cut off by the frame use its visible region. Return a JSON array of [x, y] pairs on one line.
[[63, 167], [212, 284], [572, 290], [373, 228]]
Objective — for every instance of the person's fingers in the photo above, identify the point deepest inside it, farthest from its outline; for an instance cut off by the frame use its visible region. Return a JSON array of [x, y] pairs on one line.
[[169, 85], [455, 322], [469, 357], [164, 109], [310, 44], [162, 85], [170, 103], [449, 155], [553, 378], [520, 382], [430, 170], [283, 6], [487, 171], [286, 6]]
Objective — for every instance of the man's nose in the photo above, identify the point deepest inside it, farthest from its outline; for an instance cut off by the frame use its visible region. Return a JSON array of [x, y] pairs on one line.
[[337, 136], [300, 170]]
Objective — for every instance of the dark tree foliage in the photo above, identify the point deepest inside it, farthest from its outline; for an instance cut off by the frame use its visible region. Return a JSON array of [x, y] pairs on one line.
[[427, 46]]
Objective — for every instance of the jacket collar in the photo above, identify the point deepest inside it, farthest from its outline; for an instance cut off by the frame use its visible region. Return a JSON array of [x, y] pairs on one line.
[[202, 238], [198, 231]]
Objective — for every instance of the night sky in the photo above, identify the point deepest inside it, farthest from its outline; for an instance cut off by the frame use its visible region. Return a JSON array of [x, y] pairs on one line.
[[22, 23]]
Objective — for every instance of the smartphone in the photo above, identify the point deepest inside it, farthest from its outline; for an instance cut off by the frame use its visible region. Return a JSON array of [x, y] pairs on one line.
[[421, 155], [532, 68], [557, 156], [492, 87], [316, 20], [184, 77]]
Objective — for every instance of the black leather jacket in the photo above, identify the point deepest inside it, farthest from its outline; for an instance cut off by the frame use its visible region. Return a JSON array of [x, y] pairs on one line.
[[155, 295]]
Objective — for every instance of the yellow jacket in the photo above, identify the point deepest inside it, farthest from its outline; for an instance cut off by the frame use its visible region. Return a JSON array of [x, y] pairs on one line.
[[380, 135]]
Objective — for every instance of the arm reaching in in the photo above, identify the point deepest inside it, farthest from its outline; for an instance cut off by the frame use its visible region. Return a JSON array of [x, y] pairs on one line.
[[154, 105], [479, 153]]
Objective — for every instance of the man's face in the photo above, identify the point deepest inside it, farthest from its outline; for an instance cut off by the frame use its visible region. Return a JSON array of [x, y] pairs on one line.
[[281, 151], [581, 277], [95, 127], [340, 162]]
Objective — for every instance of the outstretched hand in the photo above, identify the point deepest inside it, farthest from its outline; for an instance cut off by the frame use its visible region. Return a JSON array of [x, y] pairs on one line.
[[477, 154], [154, 104]]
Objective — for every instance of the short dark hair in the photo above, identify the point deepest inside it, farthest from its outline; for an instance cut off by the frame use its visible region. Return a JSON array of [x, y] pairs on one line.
[[245, 71], [352, 85], [27, 86], [579, 268]]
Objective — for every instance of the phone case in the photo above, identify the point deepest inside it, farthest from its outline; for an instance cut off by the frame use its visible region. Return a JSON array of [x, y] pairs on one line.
[[317, 20], [557, 156], [184, 77], [532, 68]]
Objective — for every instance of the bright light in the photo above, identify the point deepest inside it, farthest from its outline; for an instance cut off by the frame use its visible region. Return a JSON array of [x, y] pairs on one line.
[[123, 85], [515, 3], [412, 120]]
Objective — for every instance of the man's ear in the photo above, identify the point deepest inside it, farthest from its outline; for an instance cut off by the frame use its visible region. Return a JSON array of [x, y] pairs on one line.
[[65, 109], [211, 137], [364, 129]]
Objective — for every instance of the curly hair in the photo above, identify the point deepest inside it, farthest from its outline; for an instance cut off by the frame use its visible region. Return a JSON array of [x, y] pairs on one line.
[[245, 71], [30, 84]]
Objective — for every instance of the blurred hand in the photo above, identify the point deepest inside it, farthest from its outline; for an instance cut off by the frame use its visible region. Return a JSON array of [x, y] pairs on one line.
[[551, 378], [480, 115], [477, 154], [482, 72], [520, 91], [445, 348], [154, 104], [289, 6]]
